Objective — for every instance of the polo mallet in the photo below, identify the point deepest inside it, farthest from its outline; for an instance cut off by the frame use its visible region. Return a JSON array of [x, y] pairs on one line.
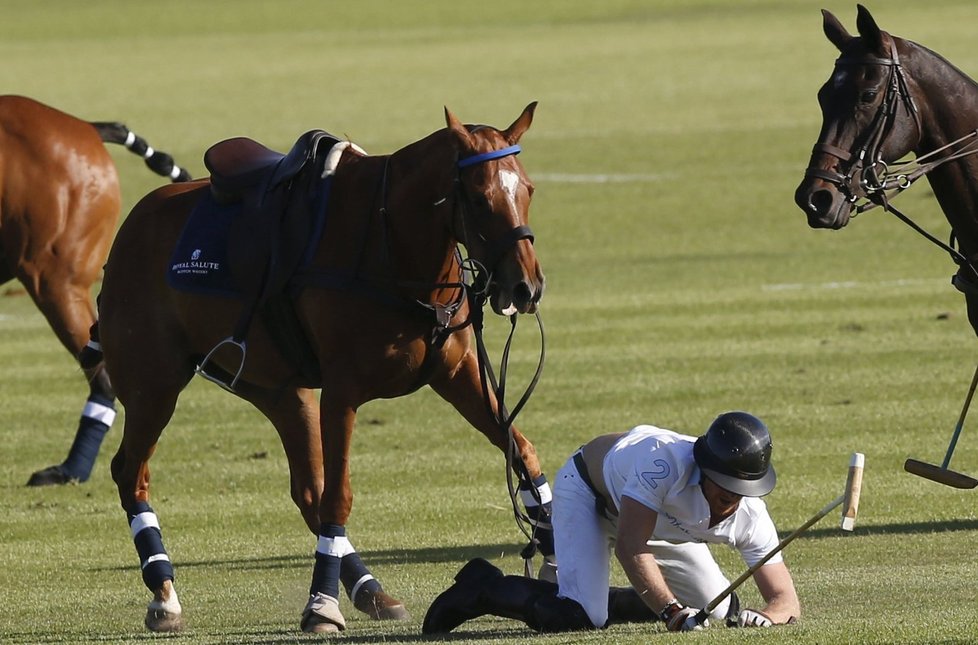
[[942, 475], [850, 504]]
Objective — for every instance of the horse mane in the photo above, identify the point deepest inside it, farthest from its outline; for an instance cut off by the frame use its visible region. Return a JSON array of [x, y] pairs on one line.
[[916, 50]]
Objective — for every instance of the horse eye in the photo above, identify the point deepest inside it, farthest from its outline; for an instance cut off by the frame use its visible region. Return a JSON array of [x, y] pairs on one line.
[[868, 96]]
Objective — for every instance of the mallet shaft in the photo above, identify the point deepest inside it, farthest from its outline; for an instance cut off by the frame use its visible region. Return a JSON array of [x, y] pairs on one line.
[[851, 500], [705, 612]]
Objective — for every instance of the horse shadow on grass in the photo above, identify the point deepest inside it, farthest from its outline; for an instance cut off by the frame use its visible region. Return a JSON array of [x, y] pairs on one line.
[[428, 555], [459, 555]]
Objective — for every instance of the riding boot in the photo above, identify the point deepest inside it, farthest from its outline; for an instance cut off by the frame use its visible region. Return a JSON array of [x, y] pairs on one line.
[[626, 606], [481, 588]]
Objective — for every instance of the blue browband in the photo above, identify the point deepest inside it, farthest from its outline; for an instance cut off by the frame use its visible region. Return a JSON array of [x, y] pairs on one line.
[[487, 156]]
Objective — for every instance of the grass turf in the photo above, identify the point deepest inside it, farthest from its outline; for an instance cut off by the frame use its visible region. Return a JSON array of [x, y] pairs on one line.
[[682, 281]]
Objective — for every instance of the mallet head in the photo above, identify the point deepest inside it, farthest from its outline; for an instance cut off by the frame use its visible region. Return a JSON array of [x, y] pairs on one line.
[[854, 483]]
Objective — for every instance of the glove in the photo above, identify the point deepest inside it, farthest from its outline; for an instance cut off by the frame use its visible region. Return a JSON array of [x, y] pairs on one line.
[[753, 618], [682, 619]]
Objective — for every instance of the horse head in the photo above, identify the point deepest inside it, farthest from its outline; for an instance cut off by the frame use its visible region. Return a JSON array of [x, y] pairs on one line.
[[491, 216], [869, 119]]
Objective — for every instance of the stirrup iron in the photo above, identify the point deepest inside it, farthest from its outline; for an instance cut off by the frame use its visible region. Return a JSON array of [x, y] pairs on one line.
[[242, 347]]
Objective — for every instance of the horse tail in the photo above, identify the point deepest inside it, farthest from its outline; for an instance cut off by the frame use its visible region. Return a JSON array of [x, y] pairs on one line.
[[158, 161]]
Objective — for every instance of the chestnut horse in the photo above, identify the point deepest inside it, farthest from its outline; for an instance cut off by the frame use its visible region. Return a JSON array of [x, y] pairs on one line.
[[381, 306], [888, 97], [59, 206]]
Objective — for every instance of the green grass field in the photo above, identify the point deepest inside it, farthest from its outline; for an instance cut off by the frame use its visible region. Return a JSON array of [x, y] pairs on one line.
[[682, 282]]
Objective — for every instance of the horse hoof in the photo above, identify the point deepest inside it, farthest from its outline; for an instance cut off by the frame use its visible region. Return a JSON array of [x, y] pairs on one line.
[[548, 570], [161, 619], [52, 476], [164, 613], [381, 606], [322, 615]]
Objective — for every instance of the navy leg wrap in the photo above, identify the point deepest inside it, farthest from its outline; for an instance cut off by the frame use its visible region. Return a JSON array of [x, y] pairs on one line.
[[95, 421], [330, 550], [539, 511], [356, 577], [146, 535]]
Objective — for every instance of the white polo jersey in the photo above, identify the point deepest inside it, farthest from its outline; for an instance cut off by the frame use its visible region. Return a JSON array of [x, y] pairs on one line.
[[655, 467]]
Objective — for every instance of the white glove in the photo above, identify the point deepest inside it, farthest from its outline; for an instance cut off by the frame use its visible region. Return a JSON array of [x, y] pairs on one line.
[[683, 619], [753, 618]]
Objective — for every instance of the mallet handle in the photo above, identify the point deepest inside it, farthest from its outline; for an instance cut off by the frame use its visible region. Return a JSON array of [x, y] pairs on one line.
[[705, 612]]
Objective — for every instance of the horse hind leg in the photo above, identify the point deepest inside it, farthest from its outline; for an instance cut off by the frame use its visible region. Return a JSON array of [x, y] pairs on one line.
[[94, 423], [148, 410], [98, 412]]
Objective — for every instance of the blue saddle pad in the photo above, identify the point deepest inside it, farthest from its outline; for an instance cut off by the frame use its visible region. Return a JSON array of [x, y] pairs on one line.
[[199, 263]]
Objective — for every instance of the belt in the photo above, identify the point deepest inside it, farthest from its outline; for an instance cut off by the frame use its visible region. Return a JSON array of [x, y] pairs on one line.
[[600, 504]]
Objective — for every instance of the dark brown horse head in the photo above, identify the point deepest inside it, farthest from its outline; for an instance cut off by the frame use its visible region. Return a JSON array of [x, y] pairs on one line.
[[869, 119], [492, 219]]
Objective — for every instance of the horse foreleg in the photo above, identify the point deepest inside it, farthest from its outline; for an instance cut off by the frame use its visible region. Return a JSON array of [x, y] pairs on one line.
[[462, 388], [322, 612], [295, 415]]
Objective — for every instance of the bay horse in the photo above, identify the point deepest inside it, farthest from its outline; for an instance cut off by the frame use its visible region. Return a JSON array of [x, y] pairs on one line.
[[59, 207], [888, 97], [379, 303]]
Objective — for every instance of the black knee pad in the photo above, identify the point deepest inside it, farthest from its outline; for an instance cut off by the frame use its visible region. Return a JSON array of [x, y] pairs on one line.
[[554, 614]]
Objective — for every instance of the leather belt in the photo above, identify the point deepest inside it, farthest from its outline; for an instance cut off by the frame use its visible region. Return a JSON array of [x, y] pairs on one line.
[[600, 504]]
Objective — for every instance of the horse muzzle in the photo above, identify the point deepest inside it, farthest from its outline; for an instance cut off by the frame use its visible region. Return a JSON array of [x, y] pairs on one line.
[[823, 204], [523, 297]]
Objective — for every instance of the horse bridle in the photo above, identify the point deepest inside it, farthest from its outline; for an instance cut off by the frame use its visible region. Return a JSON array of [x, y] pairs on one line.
[[497, 248], [873, 178], [876, 180]]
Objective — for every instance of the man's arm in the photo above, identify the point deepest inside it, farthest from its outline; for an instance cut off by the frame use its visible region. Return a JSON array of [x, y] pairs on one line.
[[635, 525], [778, 590]]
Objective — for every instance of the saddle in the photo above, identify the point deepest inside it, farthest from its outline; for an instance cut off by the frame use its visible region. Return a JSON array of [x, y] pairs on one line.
[[282, 210]]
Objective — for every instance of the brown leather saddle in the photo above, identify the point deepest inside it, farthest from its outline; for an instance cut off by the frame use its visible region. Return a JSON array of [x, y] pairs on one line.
[[282, 198]]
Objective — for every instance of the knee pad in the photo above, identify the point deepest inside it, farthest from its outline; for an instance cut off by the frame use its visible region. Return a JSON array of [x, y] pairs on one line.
[[554, 614]]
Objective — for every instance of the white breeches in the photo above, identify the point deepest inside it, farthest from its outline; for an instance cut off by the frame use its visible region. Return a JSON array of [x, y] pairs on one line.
[[584, 542]]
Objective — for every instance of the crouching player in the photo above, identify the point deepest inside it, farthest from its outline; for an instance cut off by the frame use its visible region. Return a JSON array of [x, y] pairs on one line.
[[656, 498]]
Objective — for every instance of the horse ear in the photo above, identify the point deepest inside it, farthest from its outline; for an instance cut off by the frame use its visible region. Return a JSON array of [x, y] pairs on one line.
[[870, 31], [456, 126], [513, 133], [834, 30]]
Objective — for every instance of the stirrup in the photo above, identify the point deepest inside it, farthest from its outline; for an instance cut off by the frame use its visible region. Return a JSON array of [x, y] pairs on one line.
[[242, 347]]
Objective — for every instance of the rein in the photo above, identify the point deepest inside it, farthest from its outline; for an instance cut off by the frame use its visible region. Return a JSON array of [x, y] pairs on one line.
[[877, 181], [477, 294]]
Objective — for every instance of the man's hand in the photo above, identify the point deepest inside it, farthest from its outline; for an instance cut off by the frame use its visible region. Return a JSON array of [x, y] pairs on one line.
[[753, 618], [682, 619]]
